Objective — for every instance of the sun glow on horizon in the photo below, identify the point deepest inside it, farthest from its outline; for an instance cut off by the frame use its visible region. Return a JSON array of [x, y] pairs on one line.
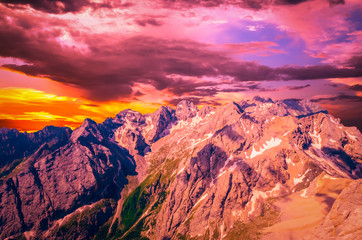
[[31, 108]]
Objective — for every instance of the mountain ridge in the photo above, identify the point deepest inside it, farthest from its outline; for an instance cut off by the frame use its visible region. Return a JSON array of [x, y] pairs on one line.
[[184, 173]]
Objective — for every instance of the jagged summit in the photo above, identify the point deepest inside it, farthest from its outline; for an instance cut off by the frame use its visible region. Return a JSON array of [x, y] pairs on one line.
[[5, 130], [89, 129], [185, 110], [263, 100], [133, 130], [257, 167]]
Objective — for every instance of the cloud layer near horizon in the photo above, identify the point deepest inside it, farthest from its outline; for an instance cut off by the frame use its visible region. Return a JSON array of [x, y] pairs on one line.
[[207, 51]]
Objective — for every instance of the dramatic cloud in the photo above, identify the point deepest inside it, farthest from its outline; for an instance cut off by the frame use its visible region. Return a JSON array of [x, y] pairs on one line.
[[250, 4], [30, 109], [346, 107], [195, 100], [148, 21], [341, 97], [317, 72], [356, 87], [299, 87], [108, 70], [156, 52], [62, 6], [264, 48]]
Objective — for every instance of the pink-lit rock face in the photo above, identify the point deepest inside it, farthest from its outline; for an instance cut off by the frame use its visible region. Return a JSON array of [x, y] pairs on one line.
[[259, 169]]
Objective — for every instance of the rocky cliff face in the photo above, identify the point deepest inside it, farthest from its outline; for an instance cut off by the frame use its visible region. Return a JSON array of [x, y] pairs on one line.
[[344, 219], [230, 172], [236, 158], [17, 145], [60, 177]]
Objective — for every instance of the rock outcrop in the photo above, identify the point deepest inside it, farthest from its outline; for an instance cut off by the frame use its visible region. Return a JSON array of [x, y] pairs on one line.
[[17, 145], [209, 173], [344, 219], [59, 178]]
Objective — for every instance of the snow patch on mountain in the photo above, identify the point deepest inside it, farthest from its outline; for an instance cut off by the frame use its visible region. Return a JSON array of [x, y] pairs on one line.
[[200, 199], [289, 161], [300, 179], [256, 195], [273, 142], [181, 170], [317, 140], [353, 137], [149, 125], [260, 194], [224, 169], [195, 142], [304, 193], [285, 134]]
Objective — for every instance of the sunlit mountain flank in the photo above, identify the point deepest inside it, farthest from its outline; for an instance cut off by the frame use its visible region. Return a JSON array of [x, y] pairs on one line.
[[180, 119]]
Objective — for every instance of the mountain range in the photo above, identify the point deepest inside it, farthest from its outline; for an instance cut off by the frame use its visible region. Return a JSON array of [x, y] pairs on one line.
[[254, 169]]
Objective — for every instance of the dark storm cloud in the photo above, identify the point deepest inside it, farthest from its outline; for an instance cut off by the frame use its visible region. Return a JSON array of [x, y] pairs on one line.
[[341, 97], [355, 61], [249, 4], [350, 112], [148, 21], [317, 72], [65, 6], [298, 87], [138, 94], [336, 2], [181, 87], [62, 6], [175, 101], [248, 87], [289, 2], [108, 69], [356, 87], [195, 100], [295, 2]]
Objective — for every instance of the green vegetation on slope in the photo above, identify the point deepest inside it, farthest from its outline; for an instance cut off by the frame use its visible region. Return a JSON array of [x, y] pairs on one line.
[[6, 170], [134, 206], [85, 224], [252, 230], [148, 197]]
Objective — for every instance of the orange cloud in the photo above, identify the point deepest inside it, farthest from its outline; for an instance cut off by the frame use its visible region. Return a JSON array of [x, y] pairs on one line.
[[29, 110]]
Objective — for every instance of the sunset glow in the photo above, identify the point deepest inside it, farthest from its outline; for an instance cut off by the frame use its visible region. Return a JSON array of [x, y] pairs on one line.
[[62, 62]]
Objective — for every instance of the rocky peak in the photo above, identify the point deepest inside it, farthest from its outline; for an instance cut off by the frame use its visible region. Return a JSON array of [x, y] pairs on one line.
[[159, 121], [205, 171], [5, 130], [88, 124], [185, 110], [6, 134], [50, 131], [205, 110], [129, 115], [301, 107], [162, 111], [88, 130], [237, 107], [17, 145], [263, 100], [262, 109]]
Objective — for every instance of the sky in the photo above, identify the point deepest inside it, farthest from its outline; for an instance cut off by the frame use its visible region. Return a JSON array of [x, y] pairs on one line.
[[64, 61]]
